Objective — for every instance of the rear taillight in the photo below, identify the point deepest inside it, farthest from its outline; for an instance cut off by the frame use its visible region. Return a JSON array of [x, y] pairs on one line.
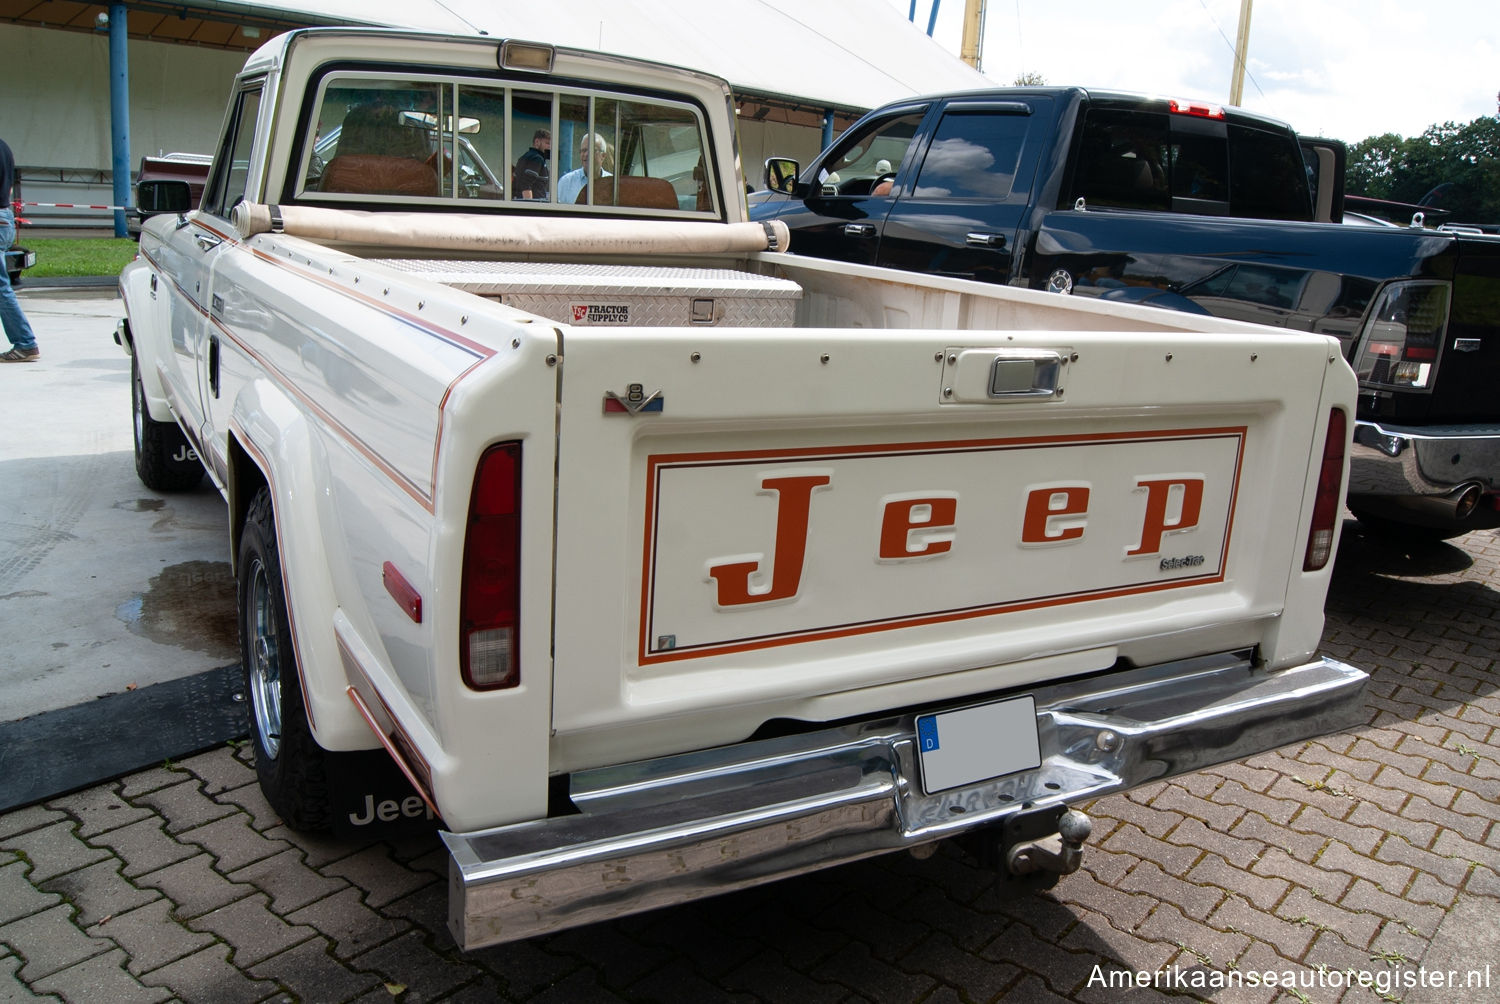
[[489, 652], [1328, 503], [1399, 344]]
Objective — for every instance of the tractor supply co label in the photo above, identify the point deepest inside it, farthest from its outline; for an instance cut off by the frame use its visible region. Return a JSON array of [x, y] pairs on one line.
[[601, 313]]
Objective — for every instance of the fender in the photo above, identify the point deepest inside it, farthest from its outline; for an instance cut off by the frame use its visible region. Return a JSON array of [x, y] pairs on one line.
[[141, 306], [266, 423]]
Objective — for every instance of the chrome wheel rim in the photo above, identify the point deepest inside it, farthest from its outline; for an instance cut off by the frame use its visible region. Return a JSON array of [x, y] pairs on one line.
[[265, 661]]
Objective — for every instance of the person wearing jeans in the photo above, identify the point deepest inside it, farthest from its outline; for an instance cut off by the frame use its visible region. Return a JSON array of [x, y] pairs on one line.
[[17, 329]]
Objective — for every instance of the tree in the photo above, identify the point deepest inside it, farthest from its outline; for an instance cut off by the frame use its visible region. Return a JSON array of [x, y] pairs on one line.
[[1372, 164], [1450, 166], [1030, 79]]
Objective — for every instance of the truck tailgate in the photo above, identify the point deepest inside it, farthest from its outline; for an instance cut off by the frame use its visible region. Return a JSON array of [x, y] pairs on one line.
[[758, 524]]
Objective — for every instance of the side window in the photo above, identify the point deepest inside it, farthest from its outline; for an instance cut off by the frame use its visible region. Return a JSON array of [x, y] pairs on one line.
[[859, 161], [233, 172], [974, 155], [1269, 177]]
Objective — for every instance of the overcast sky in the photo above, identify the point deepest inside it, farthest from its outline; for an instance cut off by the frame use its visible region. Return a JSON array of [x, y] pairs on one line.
[[1347, 69]]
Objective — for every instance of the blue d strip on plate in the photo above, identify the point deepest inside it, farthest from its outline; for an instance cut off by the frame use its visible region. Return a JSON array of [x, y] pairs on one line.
[[927, 734]]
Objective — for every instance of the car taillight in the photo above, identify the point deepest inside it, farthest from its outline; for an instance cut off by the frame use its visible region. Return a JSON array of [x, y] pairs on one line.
[[490, 618], [1328, 503], [1400, 340]]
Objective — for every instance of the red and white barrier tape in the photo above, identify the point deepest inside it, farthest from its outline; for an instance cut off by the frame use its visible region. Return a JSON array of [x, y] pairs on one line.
[[66, 205]]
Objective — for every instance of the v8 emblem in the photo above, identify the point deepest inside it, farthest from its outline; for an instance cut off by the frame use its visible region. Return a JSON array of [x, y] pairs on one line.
[[634, 401]]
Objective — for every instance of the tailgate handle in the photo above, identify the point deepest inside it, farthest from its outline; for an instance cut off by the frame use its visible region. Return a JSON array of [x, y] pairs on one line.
[[1025, 375]]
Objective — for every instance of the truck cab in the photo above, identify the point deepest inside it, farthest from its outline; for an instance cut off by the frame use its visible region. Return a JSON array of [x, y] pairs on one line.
[[1195, 207]]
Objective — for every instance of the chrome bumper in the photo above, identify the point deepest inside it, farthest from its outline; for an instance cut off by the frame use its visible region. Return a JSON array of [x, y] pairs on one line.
[[678, 828], [1405, 460]]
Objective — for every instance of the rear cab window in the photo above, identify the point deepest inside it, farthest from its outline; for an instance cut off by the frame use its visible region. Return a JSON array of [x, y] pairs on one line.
[[414, 140], [1144, 158]]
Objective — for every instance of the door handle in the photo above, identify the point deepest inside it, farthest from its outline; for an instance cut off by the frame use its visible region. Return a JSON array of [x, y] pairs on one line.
[[213, 365], [206, 242], [859, 229], [983, 240], [1000, 375]]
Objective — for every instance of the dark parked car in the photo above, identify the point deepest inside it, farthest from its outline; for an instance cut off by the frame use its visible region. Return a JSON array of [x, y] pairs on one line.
[[1189, 206], [154, 195], [18, 258]]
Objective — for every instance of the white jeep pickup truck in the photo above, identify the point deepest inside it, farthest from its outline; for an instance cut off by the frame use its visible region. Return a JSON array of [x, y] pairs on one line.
[[664, 562]]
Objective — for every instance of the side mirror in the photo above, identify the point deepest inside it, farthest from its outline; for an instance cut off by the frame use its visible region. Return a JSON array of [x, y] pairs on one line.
[[781, 174], [163, 197]]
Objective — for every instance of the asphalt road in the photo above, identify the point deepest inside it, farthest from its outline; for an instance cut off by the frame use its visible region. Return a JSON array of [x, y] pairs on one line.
[[105, 587]]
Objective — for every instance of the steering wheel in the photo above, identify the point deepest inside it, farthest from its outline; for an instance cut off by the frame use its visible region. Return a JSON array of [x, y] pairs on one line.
[[888, 180]]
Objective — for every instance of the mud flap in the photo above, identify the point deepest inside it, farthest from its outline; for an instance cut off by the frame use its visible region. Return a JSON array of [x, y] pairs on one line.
[[369, 798]]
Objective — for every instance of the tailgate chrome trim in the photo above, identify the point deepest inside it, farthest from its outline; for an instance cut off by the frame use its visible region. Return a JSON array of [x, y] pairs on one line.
[[678, 828]]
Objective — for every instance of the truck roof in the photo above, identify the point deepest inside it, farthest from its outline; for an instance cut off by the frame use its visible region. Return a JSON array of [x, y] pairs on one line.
[[274, 53], [1154, 102]]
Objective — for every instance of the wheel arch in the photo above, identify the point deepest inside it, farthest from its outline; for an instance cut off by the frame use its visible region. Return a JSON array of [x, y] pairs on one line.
[[278, 458]]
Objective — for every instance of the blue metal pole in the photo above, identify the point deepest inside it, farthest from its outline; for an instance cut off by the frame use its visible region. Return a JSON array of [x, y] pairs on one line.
[[119, 114], [912, 17], [932, 21]]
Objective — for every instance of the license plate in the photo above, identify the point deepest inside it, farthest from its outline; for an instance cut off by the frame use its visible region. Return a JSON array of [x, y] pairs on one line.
[[976, 744]]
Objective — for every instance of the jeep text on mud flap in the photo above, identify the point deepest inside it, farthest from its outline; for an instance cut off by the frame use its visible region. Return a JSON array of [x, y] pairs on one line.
[[664, 563]]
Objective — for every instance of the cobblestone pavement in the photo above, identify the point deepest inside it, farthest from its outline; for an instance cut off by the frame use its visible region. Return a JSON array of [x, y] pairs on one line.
[[1347, 853]]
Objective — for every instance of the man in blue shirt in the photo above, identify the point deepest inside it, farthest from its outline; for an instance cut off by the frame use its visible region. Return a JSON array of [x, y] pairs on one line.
[[17, 329]]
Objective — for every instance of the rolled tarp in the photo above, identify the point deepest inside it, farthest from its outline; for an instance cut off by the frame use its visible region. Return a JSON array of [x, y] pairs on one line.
[[518, 234]]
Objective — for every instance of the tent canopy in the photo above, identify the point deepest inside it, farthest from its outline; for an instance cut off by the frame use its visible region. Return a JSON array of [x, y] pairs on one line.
[[849, 54]]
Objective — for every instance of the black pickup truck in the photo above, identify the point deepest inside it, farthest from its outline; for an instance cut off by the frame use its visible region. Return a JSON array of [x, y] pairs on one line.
[[1194, 207]]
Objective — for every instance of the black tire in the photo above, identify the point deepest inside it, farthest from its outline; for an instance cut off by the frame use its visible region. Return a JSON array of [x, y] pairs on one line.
[[291, 766], [164, 461]]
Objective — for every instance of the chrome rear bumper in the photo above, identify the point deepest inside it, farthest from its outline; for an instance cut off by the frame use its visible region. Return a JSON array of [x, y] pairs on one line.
[[1431, 460], [678, 828], [1440, 476]]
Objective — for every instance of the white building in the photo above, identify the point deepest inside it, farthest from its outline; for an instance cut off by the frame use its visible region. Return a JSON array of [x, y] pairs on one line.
[[802, 70]]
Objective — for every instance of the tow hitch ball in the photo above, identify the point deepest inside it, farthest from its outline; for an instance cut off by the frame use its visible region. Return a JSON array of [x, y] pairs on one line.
[[1059, 853]]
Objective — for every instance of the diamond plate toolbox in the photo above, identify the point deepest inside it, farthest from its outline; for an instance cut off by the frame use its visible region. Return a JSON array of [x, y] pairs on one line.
[[621, 295]]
